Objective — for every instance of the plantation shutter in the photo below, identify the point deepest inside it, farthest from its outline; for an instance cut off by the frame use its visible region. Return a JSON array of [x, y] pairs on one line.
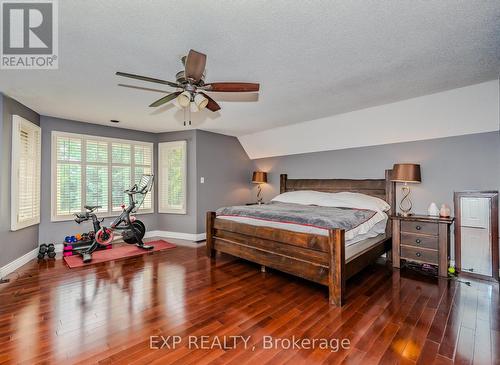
[[96, 174], [143, 162], [68, 179], [121, 154], [92, 170], [172, 177], [25, 183]]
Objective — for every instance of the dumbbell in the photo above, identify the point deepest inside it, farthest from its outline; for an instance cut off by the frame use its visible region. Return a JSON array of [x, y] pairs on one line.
[[42, 250], [51, 251], [48, 250]]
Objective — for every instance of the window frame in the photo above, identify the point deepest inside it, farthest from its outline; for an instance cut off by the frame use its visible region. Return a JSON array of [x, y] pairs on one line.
[[17, 123], [161, 192], [83, 163]]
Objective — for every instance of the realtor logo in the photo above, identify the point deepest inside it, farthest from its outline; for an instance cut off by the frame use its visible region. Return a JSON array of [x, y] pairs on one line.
[[29, 34]]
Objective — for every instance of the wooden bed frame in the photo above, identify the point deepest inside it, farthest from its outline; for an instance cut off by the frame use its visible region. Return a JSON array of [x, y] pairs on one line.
[[310, 256]]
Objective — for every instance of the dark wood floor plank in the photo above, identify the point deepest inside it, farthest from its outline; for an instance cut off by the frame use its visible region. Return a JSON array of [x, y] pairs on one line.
[[428, 353], [438, 326], [465, 346], [106, 313], [482, 343]]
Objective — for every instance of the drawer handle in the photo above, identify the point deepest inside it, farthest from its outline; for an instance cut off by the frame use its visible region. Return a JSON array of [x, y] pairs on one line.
[[418, 228], [418, 254], [418, 240]]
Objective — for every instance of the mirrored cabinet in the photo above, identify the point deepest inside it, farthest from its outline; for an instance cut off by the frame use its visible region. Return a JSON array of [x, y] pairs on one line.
[[476, 234]]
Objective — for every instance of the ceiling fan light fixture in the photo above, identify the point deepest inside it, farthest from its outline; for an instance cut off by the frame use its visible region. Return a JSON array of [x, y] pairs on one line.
[[190, 86], [184, 99], [194, 108], [200, 101]]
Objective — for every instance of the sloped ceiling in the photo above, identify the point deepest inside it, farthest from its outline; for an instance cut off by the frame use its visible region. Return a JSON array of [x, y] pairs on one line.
[[313, 59], [466, 110]]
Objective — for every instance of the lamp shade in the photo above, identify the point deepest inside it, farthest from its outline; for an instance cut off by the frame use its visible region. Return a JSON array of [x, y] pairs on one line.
[[406, 172], [259, 177], [200, 101], [184, 99]]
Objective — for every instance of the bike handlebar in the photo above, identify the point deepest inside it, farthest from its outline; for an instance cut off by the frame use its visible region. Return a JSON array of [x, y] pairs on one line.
[[81, 217]]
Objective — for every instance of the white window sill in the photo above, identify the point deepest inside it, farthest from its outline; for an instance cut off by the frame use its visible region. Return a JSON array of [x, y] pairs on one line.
[[21, 225], [178, 212], [68, 218]]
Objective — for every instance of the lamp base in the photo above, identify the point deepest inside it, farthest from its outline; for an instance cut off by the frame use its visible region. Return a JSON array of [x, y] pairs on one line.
[[405, 205], [405, 214]]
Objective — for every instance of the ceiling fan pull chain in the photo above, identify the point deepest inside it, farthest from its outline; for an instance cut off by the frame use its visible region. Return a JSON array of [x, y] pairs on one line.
[[184, 110], [189, 113]]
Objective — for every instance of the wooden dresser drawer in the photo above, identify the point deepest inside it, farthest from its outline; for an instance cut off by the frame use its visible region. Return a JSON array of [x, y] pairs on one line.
[[423, 255], [420, 227], [417, 240]]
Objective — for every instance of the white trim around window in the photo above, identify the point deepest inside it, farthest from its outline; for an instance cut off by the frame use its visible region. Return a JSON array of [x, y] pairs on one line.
[[25, 176], [172, 177], [95, 170]]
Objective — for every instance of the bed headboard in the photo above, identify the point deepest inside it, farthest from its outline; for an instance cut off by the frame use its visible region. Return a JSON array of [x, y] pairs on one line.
[[380, 188]]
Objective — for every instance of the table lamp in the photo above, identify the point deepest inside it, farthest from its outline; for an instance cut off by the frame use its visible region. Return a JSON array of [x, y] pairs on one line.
[[406, 173], [259, 178]]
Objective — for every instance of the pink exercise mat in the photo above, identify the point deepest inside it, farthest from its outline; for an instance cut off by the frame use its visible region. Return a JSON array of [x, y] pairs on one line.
[[117, 253]]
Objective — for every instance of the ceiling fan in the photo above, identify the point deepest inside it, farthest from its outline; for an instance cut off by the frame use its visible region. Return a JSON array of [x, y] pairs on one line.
[[191, 85]]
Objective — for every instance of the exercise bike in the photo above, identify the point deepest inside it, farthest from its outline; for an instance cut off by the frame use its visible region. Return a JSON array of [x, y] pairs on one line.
[[132, 229]]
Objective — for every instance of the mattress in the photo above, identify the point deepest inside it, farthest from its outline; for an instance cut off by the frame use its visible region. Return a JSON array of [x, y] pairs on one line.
[[359, 224], [306, 218]]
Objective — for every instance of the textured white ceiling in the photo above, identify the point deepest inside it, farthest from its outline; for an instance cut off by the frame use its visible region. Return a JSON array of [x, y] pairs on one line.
[[313, 59]]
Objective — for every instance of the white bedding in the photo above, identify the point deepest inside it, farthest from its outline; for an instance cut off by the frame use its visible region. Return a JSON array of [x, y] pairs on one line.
[[356, 239]]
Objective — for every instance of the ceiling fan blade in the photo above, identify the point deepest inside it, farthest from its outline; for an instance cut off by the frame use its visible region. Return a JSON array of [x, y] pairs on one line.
[[195, 65], [165, 99], [232, 87], [212, 105], [145, 78]]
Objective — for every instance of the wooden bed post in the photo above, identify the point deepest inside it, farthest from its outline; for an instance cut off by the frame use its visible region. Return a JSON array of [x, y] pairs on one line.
[[210, 234], [336, 273], [390, 197], [283, 178]]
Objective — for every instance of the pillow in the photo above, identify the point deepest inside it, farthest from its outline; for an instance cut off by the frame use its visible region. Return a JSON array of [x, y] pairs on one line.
[[305, 197], [342, 199], [348, 199]]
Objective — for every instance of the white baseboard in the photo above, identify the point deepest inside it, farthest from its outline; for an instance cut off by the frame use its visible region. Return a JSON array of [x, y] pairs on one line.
[[17, 263], [195, 237]]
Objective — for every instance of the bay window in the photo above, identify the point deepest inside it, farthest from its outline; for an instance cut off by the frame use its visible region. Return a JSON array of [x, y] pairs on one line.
[[92, 170]]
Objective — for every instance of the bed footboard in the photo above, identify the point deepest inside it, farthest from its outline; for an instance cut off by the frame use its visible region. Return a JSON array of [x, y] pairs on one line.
[[313, 257]]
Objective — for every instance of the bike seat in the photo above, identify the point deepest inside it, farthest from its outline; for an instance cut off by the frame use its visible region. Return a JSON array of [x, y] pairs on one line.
[[92, 207]]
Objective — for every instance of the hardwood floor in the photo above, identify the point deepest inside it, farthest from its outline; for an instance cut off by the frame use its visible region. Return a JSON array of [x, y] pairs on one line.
[[106, 314]]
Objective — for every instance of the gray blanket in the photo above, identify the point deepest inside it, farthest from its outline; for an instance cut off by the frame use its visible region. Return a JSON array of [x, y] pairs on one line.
[[310, 215]]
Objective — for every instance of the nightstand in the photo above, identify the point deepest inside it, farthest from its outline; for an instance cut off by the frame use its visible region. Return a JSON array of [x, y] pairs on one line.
[[423, 239]]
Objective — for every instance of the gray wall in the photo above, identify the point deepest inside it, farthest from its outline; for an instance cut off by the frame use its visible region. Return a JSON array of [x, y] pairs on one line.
[[12, 244], [470, 162], [55, 231], [448, 165], [227, 170], [185, 223], [227, 180]]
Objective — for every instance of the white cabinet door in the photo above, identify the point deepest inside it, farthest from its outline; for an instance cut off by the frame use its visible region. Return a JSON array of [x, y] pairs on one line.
[[475, 212]]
